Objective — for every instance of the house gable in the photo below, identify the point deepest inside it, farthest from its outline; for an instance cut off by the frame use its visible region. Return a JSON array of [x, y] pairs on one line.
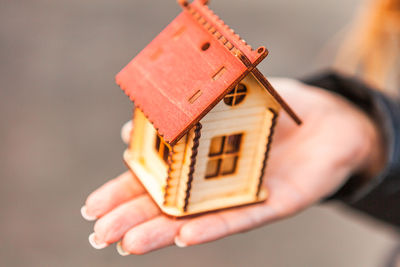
[[252, 119], [257, 96]]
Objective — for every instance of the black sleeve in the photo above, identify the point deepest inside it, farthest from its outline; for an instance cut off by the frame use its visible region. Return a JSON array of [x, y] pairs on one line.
[[379, 197]]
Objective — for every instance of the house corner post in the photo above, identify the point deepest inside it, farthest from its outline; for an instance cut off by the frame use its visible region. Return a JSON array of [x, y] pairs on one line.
[[196, 142]]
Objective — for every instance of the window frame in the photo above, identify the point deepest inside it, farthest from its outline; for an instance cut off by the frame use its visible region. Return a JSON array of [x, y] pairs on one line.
[[162, 148], [223, 155], [234, 98]]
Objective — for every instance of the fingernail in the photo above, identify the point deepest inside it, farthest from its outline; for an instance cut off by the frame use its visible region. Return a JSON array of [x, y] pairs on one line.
[[179, 243], [120, 249], [86, 216], [94, 243]]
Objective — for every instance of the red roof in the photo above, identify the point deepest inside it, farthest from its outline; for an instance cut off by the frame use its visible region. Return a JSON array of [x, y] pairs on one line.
[[186, 70]]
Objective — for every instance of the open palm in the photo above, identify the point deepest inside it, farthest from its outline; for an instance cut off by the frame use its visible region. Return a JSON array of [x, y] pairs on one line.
[[306, 164]]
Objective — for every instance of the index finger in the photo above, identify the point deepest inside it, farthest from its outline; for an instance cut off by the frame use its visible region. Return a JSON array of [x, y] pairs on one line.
[[113, 193]]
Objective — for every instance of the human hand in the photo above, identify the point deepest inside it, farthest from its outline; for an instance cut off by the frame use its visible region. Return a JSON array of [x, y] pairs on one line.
[[306, 164]]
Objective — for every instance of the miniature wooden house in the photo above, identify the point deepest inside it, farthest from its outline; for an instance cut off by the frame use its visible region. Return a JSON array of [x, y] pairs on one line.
[[204, 115]]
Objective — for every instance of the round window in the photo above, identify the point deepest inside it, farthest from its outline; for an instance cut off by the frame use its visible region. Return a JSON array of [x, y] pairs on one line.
[[236, 96]]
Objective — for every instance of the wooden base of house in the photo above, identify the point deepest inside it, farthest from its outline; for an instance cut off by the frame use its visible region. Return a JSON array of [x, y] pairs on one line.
[[228, 201]]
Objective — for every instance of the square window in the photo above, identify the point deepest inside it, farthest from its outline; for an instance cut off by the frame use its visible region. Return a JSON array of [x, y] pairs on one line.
[[162, 148], [223, 155], [165, 153]]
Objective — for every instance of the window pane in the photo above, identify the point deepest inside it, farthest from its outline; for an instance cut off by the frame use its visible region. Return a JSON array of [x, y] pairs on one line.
[[165, 153], [216, 145], [213, 168], [158, 141], [239, 98], [229, 165], [241, 88], [228, 100], [233, 143], [231, 92], [162, 148]]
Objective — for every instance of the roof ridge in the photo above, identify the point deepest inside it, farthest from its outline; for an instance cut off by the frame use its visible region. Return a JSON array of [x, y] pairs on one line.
[[228, 38], [211, 29], [218, 19]]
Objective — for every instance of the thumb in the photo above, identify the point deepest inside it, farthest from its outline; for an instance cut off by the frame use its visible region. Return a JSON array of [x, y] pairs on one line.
[[126, 131]]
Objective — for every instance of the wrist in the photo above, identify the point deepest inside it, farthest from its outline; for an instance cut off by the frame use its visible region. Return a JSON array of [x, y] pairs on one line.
[[368, 157], [375, 159], [379, 123]]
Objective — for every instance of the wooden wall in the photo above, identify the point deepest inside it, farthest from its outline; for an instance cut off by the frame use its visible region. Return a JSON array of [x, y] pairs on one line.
[[252, 118]]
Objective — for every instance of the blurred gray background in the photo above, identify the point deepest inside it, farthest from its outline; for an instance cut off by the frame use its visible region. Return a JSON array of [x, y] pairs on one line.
[[60, 115]]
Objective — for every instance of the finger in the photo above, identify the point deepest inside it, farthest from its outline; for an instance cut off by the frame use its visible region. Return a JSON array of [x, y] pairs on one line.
[[112, 226], [126, 132], [113, 193], [157, 233]]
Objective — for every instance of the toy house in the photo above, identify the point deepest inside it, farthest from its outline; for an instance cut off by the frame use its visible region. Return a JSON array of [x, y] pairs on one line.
[[204, 115]]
